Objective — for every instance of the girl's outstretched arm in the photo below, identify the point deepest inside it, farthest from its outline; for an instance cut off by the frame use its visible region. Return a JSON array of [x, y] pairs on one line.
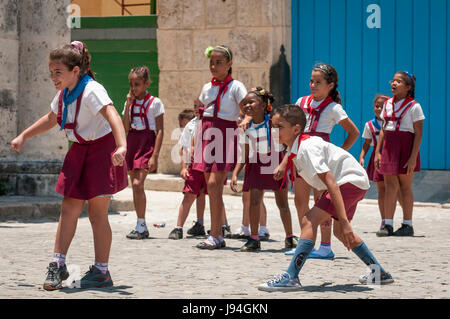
[[109, 112], [352, 131], [42, 125]]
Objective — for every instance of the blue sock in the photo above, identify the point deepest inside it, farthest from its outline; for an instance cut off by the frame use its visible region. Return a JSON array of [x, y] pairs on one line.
[[363, 252], [304, 248]]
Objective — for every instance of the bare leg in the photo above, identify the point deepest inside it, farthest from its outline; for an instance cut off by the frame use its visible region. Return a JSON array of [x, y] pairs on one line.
[[215, 181], [140, 201], [405, 183], [302, 193], [98, 216], [281, 197], [185, 206], [200, 205], [246, 208], [256, 196], [70, 211], [391, 184], [381, 195]]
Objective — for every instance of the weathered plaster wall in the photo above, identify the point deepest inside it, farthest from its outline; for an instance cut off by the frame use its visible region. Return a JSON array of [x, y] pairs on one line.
[[254, 30]]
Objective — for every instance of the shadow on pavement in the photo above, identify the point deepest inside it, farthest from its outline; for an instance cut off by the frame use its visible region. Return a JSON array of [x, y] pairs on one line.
[[115, 289], [326, 287]]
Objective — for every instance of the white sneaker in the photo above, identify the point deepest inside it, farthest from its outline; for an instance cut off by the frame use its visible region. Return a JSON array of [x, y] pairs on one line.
[[373, 279], [281, 282]]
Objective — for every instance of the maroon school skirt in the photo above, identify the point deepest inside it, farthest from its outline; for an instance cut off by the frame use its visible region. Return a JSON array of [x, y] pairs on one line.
[[397, 147], [88, 171], [372, 172], [216, 150], [195, 183], [255, 179], [140, 146]]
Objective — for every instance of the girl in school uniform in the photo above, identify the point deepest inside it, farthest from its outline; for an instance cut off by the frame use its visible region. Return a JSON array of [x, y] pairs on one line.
[[216, 150], [143, 119], [243, 232], [323, 111], [93, 168], [336, 172], [370, 135], [400, 140], [261, 153]]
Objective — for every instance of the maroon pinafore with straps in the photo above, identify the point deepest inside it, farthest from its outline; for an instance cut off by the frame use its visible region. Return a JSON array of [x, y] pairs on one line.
[[254, 177], [88, 171], [397, 145], [140, 143], [221, 155], [315, 114]]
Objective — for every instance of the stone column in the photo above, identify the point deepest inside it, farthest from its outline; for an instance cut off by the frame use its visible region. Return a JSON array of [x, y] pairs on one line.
[[9, 70], [29, 29], [42, 28]]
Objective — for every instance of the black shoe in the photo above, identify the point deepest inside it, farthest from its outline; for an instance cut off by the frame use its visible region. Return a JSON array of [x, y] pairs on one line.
[[385, 231], [55, 276], [196, 230], [251, 245], [290, 242], [404, 231], [135, 235], [94, 278], [176, 233], [226, 231], [264, 237]]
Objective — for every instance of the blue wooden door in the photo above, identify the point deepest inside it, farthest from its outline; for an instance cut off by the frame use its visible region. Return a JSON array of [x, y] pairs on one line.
[[367, 41]]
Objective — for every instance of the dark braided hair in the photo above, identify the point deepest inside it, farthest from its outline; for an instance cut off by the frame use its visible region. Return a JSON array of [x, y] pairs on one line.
[[265, 96], [142, 72], [332, 77]]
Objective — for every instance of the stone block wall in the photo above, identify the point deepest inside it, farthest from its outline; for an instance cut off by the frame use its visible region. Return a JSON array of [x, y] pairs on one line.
[[29, 30], [254, 30], [9, 70]]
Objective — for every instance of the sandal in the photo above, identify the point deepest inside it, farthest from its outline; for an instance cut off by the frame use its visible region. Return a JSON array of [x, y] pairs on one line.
[[211, 243]]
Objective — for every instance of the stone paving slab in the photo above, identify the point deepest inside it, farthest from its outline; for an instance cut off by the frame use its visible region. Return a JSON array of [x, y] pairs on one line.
[[160, 268]]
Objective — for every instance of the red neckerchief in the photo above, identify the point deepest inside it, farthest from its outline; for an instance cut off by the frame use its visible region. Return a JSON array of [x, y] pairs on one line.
[[223, 88], [290, 163], [313, 111]]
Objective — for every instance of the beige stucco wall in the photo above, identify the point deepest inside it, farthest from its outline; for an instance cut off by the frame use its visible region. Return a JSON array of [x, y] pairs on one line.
[[104, 8], [254, 30]]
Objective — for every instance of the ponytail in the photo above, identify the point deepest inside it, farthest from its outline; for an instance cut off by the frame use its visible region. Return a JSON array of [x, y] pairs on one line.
[[331, 76]]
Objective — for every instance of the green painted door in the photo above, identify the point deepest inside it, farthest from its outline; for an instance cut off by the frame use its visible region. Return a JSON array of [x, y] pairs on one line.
[[118, 44]]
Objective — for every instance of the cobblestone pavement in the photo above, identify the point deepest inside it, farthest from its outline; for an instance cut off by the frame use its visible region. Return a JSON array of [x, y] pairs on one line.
[[162, 268]]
